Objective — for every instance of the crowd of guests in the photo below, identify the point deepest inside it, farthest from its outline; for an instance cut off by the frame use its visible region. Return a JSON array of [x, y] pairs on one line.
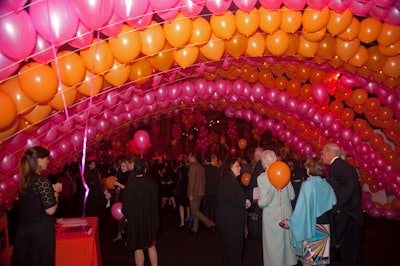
[[319, 208]]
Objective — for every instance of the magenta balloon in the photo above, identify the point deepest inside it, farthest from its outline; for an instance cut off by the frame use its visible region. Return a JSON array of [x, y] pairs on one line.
[[113, 26], [271, 4], [218, 7], [319, 92], [221, 87], [76, 138], [111, 99], [141, 139], [339, 5], [336, 127], [130, 9], [292, 105], [161, 93], [303, 107], [91, 133], [142, 22], [295, 4], [7, 163], [18, 142], [17, 34], [116, 211], [394, 15], [191, 8], [8, 66], [201, 87], [391, 213], [232, 151], [188, 89], [238, 87], [103, 126], [51, 135], [167, 14], [149, 98], [93, 13], [272, 94], [366, 195], [317, 4], [55, 20], [375, 212], [379, 12], [116, 120], [174, 92], [258, 90], [43, 52], [245, 5], [384, 3], [368, 204], [360, 8], [13, 5], [83, 37], [64, 147], [328, 119]]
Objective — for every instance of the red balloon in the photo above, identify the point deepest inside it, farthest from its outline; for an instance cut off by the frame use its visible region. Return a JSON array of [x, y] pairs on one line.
[[141, 139], [279, 174], [116, 211]]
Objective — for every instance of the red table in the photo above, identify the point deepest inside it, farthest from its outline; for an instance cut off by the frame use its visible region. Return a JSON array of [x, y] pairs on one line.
[[77, 248]]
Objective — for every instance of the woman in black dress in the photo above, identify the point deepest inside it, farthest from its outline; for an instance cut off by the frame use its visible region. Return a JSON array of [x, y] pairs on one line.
[[35, 238], [231, 213]]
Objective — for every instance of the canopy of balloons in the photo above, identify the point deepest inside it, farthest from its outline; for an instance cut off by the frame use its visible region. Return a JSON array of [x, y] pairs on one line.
[[308, 71]]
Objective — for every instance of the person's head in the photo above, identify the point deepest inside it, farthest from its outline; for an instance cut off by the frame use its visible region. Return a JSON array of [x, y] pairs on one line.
[[315, 166], [194, 156], [207, 158], [131, 163], [267, 158], [140, 167], [124, 166], [92, 165], [231, 166], [257, 153], [329, 151], [34, 160]]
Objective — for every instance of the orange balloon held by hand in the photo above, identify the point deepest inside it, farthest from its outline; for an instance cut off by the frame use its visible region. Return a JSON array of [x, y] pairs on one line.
[[279, 174], [245, 179]]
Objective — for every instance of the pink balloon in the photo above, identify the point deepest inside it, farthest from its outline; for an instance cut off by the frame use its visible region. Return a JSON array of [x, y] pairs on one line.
[[13, 5], [166, 9], [142, 22], [141, 139], [188, 89], [379, 12], [174, 92], [7, 66], [245, 5], [148, 98], [238, 87], [17, 34], [116, 120], [384, 3], [51, 135], [394, 15], [233, 150], [319, 93], [218, 7], [161, 93], [391, 214], [76, 138], [64, 147], [55, 20], [130, 9], [93, 13], [111, 99], [191, 8], [360, 8], [83, 37], [271, 4], [295, 4], [375, 212], [317, 4], [339, 5], [113, 26], [116, 211], [43, 52], [103, 126], [7, 163]]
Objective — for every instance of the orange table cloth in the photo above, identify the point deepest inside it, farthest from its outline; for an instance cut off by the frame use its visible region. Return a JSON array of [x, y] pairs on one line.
[[77, 249]]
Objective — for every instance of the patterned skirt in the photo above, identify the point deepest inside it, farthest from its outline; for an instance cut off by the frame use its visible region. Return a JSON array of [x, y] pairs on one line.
[[315, 250]]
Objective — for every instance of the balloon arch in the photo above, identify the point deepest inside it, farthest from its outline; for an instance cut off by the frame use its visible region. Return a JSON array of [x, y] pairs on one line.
[[73, 72]]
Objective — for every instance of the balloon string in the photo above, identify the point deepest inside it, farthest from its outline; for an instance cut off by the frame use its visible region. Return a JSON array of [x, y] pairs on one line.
[[280, 203]]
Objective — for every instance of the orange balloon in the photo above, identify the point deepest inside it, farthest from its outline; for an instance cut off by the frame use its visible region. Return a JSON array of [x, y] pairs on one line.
[[153, 39], [163, 60], [118, 74], [38, 113], [317, 76], [389, 34], [336, 107], [9, 131], [372, 104], [71, 67], [38, 82], [339, 22], [277, 42], [369, 30], [291, 20], [8, 110], [391, 50], [392, 66], [385, 113], [293, 87], [65, 95], [303, 73], [245, 179], [242, 143], [375, 60], [109, 182], [12, 88], [91, 84], [307, 48], [352, 31], [270, 20], [256, 45], [293, 47], [314, 36], [178, 31], [347, 49], [186, 56], [360, 58], [141, 71], [236, 45], [326, 47], [360, 96], [336, 61], [281, 82], [201, 31], [214, 49], [223, 26], [279, 174], [315, 20], [98, 56], [247, 23], [127, 45]]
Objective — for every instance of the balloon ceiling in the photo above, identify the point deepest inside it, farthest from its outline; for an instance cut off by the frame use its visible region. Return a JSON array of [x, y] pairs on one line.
[[73, 72]]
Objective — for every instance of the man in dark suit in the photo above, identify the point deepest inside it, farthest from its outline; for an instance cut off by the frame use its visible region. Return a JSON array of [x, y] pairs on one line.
[[347, 219]]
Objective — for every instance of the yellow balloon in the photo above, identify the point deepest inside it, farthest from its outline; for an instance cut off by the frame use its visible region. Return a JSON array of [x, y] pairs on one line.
[[141, 71], [237, 45], [270, 20], [369, 30], [127, 45], [38, 82], [277, 42], [315, 20], [256, 45], [98, 56], [178, 31], [201, 31], [291, 20], [214, 49], [12, 88], [70, 66], [186, 56], [91, 84], [118, 74], [38, 113], [389, 34], [163, 60], [352, 31], [247, 23], [153, 39], [223, 26], [64, 98], [347, 49], [339, 22], [8, 110]]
